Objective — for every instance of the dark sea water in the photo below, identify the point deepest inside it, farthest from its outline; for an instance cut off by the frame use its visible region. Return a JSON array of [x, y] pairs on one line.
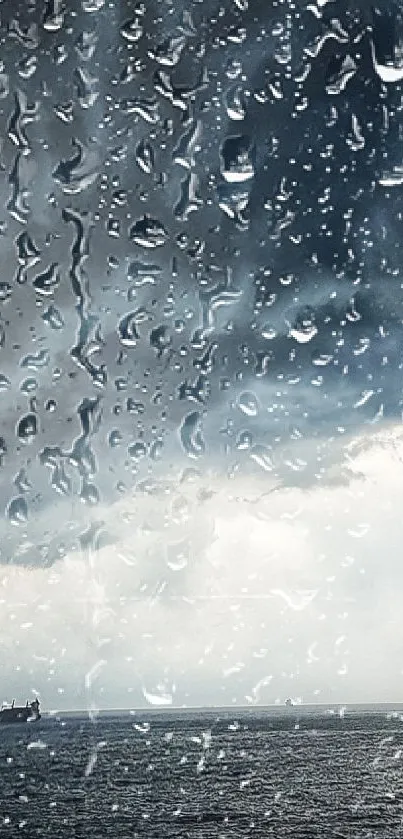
[[202, 776]]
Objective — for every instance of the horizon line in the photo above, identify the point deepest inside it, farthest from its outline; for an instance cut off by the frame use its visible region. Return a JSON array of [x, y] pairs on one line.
[[296, 706]]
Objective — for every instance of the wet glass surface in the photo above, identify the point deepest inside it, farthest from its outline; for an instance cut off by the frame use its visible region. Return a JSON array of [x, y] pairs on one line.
[[200, 354]]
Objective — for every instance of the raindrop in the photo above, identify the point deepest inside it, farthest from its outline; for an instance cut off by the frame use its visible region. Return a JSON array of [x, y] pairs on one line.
[[17, 510], [190, 434], [89, 493], [36, 361], [53, 318], [5, 291], [160, 339], [261, 455], [27, 428], [127, 329], [93, 5], [145, 156], [28, 386], [160, 698], [235, 104], [137, 450], [132, 30], [169, 51], [53, 18], [148, 233], [177, 555], [115, 438], [47, 282], [248, 404], [244, 440], [237, 164]]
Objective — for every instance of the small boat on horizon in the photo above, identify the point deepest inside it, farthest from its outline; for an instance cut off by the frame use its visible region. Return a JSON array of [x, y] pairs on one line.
[[20, 713]]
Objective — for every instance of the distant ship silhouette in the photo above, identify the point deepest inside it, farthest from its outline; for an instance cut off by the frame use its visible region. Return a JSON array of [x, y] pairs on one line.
[[20, 713]]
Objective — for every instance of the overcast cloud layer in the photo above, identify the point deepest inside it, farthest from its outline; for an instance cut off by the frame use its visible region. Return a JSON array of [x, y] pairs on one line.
[[200, 360]]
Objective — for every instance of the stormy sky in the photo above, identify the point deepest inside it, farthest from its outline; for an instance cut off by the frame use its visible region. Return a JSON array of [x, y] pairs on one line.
[[200, 352]]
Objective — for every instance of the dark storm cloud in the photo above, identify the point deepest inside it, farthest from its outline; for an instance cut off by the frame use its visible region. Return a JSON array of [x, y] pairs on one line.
[[296, 299]]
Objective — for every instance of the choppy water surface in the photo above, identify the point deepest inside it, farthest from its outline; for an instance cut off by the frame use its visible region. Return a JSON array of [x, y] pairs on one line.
[[199, 776]]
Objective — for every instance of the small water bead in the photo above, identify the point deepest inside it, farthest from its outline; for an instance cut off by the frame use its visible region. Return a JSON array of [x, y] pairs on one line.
[[248, 403]]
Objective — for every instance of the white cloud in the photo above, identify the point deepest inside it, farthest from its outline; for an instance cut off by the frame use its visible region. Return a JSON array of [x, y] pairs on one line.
[[220, 589]]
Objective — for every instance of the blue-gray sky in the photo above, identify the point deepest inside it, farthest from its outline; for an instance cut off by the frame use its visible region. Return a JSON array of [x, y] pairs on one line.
[[201, 351]]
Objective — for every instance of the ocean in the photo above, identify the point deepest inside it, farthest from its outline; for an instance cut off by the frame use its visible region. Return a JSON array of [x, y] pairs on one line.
[[202, 775]]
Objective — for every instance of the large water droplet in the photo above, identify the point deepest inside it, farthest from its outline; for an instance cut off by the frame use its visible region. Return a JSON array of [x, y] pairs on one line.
[[27, 428], [148, 233], [236, 159]]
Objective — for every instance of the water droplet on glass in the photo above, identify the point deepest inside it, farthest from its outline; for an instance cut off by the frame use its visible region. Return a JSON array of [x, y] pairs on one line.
[[237, 163], [28, 386], [92, 5], [148, 233], [145, 156], [261, 455], [27, 428], [48, 281], [248, 404], [115, 438], [158, 697], [5, 383], [17, 510], [137, 450], [160, 339], [132, 30], [53, 318], [191, 436], [177, 555]]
